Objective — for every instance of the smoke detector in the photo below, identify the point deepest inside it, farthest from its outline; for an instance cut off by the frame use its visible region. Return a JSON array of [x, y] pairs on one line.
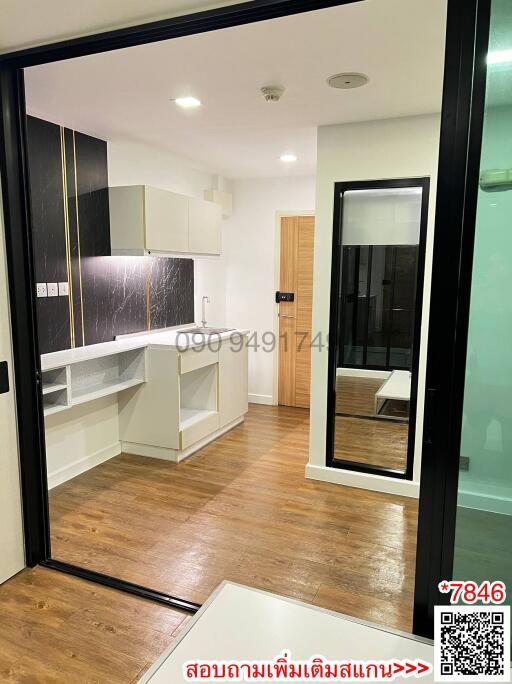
[[272, 93], [347, 80]]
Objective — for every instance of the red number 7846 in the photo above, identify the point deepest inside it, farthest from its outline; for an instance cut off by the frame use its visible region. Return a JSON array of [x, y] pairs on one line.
[[471, 592]]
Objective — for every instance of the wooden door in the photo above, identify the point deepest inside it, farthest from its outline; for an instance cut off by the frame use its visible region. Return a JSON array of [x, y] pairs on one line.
[[296, 275]]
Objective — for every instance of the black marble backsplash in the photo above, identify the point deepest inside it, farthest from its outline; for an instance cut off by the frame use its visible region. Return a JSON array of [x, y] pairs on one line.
[[130, 294], [109, 296]]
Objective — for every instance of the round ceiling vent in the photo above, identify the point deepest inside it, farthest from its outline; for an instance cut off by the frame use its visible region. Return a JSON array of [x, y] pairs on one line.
[[347, 81]]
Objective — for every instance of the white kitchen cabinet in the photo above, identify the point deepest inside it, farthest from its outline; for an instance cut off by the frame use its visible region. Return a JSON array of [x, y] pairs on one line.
[[189, 398], [150, 414], [166, 215], [233, 373], [204, 226], [144, 219]]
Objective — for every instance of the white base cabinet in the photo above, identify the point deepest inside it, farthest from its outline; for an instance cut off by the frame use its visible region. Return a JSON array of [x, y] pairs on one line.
[[189, 398], [233, 383]]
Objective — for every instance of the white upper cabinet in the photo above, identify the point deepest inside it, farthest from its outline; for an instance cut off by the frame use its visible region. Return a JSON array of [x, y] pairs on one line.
[[204, 226], [166, 216], [144, 219]]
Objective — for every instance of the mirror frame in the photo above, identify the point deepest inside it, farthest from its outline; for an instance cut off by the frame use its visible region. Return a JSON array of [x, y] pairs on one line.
[[337, 249]]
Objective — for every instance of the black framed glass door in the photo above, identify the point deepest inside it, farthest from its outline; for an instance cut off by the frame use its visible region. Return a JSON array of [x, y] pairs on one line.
[[465, 516]]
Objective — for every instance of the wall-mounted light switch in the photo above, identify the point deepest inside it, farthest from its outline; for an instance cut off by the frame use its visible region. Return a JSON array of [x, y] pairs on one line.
[[63, 289], [41, 290], [53, 289]]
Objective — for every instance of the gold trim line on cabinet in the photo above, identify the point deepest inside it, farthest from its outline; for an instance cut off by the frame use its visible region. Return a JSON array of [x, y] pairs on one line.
[[67, 238], [78, 240]]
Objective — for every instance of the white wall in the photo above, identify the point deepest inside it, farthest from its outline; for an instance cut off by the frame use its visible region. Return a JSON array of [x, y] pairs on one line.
[[12, 558], [131, 163], [249, 247], [393, 148]]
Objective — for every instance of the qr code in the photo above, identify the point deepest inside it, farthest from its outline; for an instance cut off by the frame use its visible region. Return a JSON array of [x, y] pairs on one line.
[[472, 643]]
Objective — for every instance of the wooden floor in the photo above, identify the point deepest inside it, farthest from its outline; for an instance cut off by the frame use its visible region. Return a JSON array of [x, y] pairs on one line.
[[57, 628], [356, 395], [374, 442], [241, 509]]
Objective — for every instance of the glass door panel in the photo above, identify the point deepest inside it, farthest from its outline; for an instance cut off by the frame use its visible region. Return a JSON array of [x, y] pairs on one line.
[[484, 504]]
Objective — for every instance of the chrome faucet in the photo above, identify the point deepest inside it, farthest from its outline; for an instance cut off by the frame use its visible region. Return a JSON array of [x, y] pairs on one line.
[[206, 300]]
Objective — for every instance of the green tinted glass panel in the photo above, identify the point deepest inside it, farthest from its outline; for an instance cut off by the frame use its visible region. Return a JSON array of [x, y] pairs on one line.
[[483, 548]]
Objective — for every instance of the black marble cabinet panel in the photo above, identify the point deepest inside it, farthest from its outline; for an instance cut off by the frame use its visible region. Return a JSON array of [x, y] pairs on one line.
[[109, 296], [48, 230], [92, 184]]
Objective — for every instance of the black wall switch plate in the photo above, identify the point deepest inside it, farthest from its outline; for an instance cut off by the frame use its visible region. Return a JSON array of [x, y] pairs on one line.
[[4, 377], [285, 297]]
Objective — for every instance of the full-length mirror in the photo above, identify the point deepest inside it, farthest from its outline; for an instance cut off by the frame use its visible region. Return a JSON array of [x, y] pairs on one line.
[[378, 275]]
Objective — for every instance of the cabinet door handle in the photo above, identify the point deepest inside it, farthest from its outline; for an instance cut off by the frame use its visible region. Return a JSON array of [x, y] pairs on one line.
[[285, 316]]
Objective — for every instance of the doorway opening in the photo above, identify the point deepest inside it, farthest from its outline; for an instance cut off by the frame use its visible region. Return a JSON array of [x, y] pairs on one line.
[[193, 433]]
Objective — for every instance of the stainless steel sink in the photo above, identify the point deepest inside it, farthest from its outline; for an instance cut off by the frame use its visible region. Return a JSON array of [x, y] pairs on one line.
[[205, 331]]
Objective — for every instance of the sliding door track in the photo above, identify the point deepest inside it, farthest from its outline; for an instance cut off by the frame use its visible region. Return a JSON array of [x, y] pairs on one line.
[[122, 585]]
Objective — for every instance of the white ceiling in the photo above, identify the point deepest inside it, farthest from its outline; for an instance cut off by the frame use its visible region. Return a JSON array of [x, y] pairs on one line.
[[26, 23], [126, 94]]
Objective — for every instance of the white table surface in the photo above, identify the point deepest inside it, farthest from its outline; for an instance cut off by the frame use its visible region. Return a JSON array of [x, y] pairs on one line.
[[397, 386], [239, 623]]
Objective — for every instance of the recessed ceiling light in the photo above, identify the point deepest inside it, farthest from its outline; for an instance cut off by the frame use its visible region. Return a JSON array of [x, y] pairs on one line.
[[188, 102], [347, 80], [499, 57], [288, 158]]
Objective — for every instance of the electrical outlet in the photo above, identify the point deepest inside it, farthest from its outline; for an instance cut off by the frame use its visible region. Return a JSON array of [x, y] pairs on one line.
[[53, 289], [41, 290], [63, 289]]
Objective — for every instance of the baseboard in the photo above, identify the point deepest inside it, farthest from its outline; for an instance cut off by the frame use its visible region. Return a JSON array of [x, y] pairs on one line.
[[261, 399], [485, 502], [78, 467], [150, 451], [350, 478], [176, 455], [362, 373]]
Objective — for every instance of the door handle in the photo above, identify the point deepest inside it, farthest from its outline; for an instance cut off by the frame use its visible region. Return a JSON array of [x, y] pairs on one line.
[[4, 377], [285, 316]]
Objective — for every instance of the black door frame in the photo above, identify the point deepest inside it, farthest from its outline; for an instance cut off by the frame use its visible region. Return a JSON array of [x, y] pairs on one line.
[[450, 218], [334, 332], [459, 162]]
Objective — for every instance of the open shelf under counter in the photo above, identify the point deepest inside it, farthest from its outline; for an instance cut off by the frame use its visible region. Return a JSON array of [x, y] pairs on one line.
[[93, 392], [97, 378], [50, 409], [49, 388], [191, 416]]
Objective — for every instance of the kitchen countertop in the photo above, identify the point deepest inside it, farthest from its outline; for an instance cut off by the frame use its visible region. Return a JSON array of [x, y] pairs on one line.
[[158, 338]]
